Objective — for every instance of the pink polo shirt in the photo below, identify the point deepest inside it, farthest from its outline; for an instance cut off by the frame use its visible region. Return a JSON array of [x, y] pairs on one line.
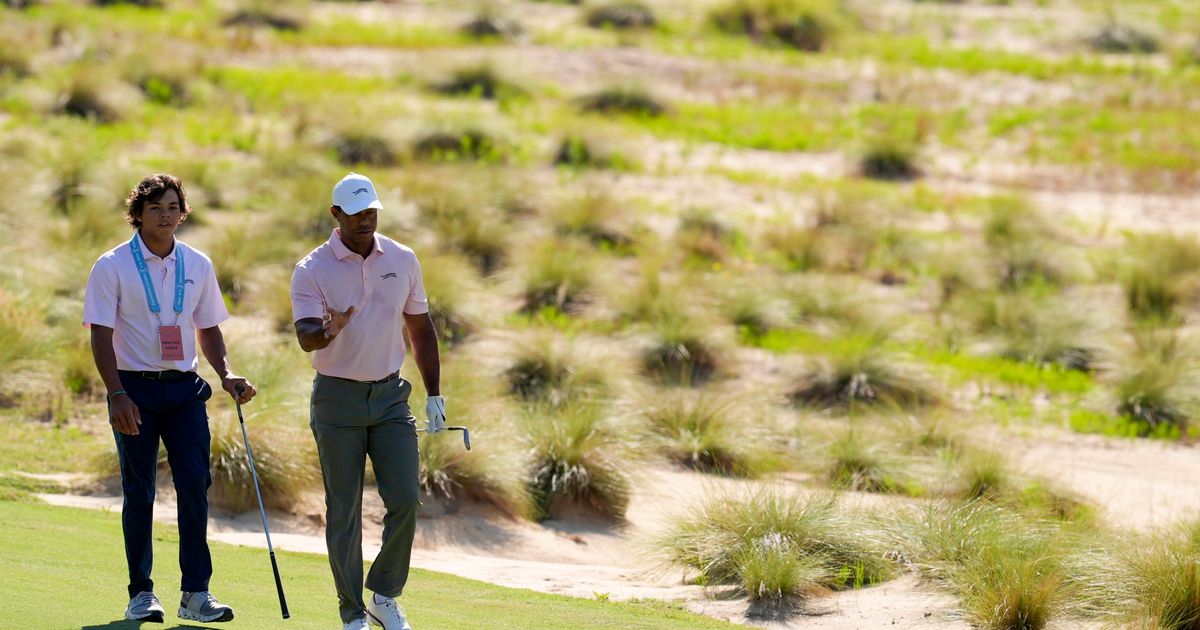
[[381, 289], [115, 298]]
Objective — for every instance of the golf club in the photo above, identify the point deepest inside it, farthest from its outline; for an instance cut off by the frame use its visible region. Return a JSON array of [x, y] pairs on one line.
[[261, 510], [466, 435]]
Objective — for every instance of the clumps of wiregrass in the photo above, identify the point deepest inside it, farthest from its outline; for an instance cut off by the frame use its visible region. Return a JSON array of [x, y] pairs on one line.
[[863, 371], [839, 235], [558, 274], [481, 81], [1026, 326], [860, 466], [985, 475], [623, 99], [889, 160], [1024, 246], [1007, 571], [90, 96], [1161, 277], [453, 288], [579, 458], [15, 61], [829, 303], [1120, 38], [807, 25], [284, 458], [580, 152], [595, 215], [620, 15], [355, 147], [704, 237], [717, 432], [453, 146], [494, 471], [277, 16], [683, 350], [1153, 379], [490, 24], [467, 224], [1154, 581], [543, 366], [776, 546], [748, 302]]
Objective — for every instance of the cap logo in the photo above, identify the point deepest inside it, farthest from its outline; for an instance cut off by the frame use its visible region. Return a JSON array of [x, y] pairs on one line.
[[361, 190]]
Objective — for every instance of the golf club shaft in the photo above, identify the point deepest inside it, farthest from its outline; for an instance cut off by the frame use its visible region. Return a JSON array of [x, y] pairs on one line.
[[262, 511]]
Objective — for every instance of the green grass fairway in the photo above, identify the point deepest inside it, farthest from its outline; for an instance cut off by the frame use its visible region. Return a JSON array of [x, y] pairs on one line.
[[65, 568]]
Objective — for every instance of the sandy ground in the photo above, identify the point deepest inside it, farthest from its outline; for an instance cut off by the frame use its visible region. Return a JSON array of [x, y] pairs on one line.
[[582, 557], [1135, 484]]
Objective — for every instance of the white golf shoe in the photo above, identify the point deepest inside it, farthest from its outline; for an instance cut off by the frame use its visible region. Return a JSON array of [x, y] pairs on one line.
[[385, 613], [357, 624], [202, 606], [145, 607]]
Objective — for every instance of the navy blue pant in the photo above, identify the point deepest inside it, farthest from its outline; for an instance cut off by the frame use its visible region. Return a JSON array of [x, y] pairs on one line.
[[174, 412]]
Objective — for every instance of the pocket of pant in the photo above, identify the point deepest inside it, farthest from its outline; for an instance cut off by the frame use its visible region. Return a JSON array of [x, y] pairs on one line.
[[204, 391]]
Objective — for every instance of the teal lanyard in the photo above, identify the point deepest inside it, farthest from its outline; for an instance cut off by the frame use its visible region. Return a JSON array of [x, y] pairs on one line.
[[148, 283]]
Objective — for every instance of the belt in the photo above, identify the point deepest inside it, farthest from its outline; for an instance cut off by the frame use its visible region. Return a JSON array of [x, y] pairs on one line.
[[165, 375], [390, 377]]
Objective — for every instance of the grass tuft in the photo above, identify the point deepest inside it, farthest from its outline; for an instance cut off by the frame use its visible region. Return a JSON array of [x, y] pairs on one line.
[[1162, 277], [357, 147], [579, 460], [451, 146], [545, 367], [807, 543], [807, 25], [889, 161], [490, 25], [702, 430], [862, 372], [86, 97], [623, 100], [860, 467], [1154, 381], [682, 352], [1122, 39], [277, 16], [621, 15], [285, 460], [557, 274], [479, 82]]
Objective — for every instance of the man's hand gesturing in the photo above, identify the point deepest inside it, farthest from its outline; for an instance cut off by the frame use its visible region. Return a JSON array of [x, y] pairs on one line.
[[333, 322]]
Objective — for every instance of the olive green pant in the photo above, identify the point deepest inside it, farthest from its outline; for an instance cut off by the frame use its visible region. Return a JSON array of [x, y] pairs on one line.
[[351, 420]]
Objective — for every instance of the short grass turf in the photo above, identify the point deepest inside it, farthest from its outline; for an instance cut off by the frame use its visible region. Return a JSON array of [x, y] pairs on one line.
[[65, 568]]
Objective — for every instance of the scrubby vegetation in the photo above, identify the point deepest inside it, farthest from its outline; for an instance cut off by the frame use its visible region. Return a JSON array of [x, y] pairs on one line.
[[826, 245]]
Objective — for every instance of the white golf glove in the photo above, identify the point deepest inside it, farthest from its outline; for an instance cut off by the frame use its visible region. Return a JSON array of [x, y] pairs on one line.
[[435, 414]]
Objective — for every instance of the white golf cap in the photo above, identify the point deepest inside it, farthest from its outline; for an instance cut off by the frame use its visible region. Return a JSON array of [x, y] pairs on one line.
[[355, 193]]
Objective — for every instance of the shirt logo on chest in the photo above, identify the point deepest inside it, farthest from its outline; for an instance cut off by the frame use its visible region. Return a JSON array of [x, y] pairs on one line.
[[389, 275], [188, 281]]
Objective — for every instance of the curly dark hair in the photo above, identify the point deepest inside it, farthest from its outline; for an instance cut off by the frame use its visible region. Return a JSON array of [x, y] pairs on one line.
[[153, 188]]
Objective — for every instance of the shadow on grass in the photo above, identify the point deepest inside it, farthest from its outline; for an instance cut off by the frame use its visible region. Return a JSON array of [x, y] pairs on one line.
[[125, 624]]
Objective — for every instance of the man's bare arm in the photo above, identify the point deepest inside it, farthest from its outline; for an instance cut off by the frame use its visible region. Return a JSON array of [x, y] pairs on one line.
[[423, 338], [212, 344], [123, 414]]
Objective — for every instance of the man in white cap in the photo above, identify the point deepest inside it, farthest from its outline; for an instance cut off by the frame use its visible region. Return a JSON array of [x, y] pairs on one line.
[[352, 299]]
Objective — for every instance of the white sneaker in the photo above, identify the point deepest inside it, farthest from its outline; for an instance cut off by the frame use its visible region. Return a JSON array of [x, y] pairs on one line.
[[357, 624], [145, 607], [202, 606], [385, 613]]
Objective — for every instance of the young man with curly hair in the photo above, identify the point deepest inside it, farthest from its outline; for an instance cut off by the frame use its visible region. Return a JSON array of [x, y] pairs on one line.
[[148, 300]]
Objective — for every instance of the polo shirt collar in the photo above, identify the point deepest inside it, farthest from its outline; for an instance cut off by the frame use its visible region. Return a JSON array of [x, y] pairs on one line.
[[150, 254], [340, 250]]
